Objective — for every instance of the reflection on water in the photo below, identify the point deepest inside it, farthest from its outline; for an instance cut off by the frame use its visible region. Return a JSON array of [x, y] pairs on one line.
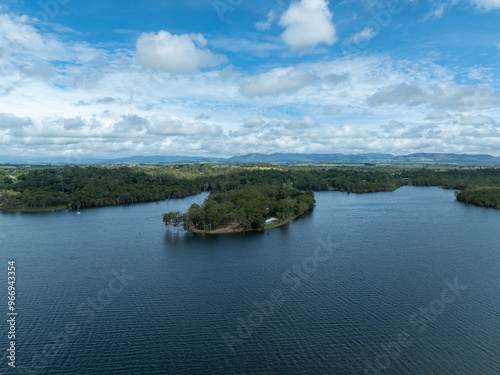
[[259, 303]]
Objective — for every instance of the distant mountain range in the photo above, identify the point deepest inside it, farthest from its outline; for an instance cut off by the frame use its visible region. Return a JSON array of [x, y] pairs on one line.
[[420, 158], [370, 158]]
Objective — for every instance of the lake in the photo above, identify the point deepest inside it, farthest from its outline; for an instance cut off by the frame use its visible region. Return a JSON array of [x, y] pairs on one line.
[[405, 282]]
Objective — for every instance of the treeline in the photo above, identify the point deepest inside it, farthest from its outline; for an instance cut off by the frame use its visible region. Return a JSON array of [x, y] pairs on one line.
[[81, 187], [345, 180], [77, 187], [246, 207], [313, 178], [479, 187], [457, 179], [482, 197], [251, 194]]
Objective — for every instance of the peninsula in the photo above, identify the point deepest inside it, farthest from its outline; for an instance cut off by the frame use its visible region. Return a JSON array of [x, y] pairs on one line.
[[242, 196], [249, 208]]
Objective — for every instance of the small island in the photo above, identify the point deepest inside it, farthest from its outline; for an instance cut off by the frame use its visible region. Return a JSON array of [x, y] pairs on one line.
[[249, 208], [242, 196]]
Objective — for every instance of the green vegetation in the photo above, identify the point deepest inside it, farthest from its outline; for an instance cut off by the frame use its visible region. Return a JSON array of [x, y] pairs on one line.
[[242, 196], [479, 187], [244, 208], [250, 194], [77, 187], [23, 189], [482, 197], [454, 178]]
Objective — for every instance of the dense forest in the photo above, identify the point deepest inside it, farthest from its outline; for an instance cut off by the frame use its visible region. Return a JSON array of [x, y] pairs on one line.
[[244, 208], [77, 187], [84, 187], [479, 187], [74, 187], [482, 197]]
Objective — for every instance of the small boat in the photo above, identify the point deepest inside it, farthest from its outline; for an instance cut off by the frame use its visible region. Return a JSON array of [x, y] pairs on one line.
[[78, 213]]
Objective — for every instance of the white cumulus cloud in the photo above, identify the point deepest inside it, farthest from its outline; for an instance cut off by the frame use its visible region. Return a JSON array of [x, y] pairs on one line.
[[443, 95], [278, 81], [172, 53], [438, 115], [475, 120], [305, 123], [253, 121], [308, 23]]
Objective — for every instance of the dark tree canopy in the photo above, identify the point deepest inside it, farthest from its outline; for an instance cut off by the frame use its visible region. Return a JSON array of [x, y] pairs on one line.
[[246, 207], [237, 190]]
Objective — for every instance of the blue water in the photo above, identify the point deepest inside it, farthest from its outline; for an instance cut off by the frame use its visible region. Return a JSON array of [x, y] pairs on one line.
[[358, 286]]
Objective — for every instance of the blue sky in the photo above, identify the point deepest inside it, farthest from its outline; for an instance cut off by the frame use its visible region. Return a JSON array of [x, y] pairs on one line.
[[220, 78]]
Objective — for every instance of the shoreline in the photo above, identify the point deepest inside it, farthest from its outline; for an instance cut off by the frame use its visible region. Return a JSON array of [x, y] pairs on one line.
[[235, 228], [35, 210], [230, 230]]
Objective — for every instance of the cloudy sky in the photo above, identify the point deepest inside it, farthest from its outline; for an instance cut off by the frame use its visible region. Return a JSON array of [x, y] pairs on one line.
[[109, 78]]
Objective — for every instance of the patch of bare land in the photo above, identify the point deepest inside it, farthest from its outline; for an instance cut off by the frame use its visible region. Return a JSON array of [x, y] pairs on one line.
[[229, 228]]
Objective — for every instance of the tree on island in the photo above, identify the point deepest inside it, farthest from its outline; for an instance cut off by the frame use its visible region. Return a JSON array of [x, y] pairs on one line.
[[246, 208]]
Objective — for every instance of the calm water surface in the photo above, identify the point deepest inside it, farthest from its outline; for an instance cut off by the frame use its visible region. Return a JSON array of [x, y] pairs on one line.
[[111, 291]]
